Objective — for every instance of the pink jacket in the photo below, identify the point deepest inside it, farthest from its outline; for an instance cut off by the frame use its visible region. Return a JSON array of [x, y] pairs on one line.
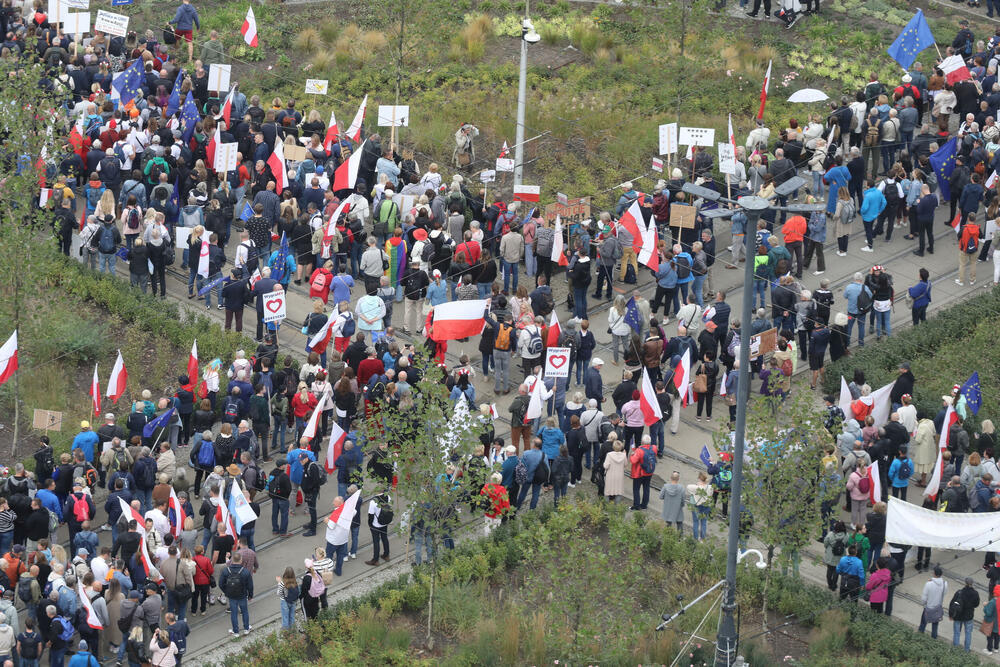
[[852, 486], [878, 584]]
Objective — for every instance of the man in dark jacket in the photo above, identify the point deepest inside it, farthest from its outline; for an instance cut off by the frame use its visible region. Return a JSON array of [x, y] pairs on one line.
[[36, 526], [264, 285], [279, 487], [965, 602], [234, 298], [311, 476], [593, 384], [579, 277], [414, 283], [65, 223], [236, 582]]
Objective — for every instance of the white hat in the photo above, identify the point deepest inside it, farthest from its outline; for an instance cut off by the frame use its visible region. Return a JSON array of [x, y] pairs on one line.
[[596, 361], [436, 273]]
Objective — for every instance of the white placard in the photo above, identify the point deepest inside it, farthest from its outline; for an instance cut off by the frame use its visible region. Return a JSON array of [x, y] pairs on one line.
[[562, 199], [43, 196], [557, 362], [668, 139], [405, 203], [487, 175], [727, 159], [991, 228], [225, 157], [59, 8], [182, 234], [697, 136], [218, 77], [274, 306], [393, 116], [76, 24], [317, 86], [111, 23], [657, 164], [505, 164]]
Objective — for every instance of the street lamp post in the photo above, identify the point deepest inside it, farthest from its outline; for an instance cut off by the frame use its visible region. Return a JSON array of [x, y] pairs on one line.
[[528, 36]]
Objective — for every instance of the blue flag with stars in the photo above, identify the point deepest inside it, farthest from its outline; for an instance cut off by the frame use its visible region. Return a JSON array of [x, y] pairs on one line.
[[160, 422], [247, 211], [973, 394], [943, 163], [916, 37], [174, 101], [280, 260], [189, 114], [129, 82], [632, 316]]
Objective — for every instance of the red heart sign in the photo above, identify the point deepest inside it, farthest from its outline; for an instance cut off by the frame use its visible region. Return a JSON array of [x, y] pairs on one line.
[[557, 360], [274, 305]]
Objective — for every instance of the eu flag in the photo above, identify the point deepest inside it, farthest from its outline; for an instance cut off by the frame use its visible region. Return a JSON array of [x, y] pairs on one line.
[[281, 260], [943, 163], [190, 116], [175, 199], [160, 422], [916, 37], [129, 82], [632, 316], [247, 211], [174, 102], [973, 394]]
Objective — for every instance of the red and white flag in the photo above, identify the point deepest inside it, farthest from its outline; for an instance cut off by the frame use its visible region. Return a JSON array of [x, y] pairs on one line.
[[931, 490], [140, 526], [458, 319], [643, 235], [203, 259], [536, 402], [682, 376], [956, 223], [330, 230], [494, 413], [650, 407], [346, 174], [321, 339], [212, 145], [732, 137], [335, 446], [505, 151], [354, 131], [950, 418], [118, 380], [874, 483], [342, 516], [532, 193], [249, 29], [174, 503], [8, 358], [954, 69], [227, 110], [192, 366], [331, 132], [558, 256], [277, 164], [763, 90], [554, 331], [92, 618], [95, 393], [310, 429], [223, 516], [254, 277], [991, 180]]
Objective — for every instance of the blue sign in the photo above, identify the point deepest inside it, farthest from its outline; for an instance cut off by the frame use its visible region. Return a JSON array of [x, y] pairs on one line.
[[119, 3]]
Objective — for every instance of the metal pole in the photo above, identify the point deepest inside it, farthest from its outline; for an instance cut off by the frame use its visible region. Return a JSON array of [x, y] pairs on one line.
[[727, 638], [522, 92]]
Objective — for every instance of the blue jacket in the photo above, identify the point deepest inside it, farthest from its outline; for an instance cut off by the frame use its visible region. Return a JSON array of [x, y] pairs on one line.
[[872, 204], [593, 385], [921, 294], [852, 565], [437, 293], [816, 230], [666, 276], [552, 438], [972, 194], [507, 471], [50, 502], [851, 293], [738, 223], [186, 17], [894, 478], [86, 440], [296, 466], [86, 539], [347, 463], [983, 493], [83, 659], [532, 459], [838, 177]]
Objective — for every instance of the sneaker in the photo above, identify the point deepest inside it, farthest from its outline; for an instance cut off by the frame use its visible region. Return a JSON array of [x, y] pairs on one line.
[[234, 634], [841, 254], [867, 248], [220, 306], [818, 273], [309, 533], [572, 485], [106, 527], [971, 283], [352, 556], [959, 282], [247, 631]]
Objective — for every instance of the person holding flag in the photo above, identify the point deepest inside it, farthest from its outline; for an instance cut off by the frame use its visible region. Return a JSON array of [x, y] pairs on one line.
[[338, 528]]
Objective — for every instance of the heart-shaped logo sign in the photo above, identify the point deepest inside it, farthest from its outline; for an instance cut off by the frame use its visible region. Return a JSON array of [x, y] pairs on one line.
[[274, 305], [558, 360]]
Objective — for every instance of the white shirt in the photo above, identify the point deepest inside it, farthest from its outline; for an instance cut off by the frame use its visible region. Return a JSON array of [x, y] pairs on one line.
[[160, 521], [359, 206], [242, 250], [100, 568], [374, 510]]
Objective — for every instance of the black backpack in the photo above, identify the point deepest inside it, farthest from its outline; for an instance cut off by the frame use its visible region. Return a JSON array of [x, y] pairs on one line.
[[231, 413], [891, 192], [541, 472], [956, 606], [864, 300], [234, 584], [252, 261], [385, 515], [24, 590], [839, 548], [683, 267], [260, 479]]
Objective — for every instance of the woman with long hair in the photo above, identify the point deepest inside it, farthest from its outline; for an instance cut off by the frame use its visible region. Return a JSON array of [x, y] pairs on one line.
[[288, 594]]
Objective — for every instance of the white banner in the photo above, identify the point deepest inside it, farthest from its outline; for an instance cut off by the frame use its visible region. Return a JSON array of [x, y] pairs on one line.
[[225, 157], [910, 524], [76, 24], [505, 164], [317, 86], [697, 136], [727, 159], [111, 23], [393, 116], [668, 139], [218, 76]]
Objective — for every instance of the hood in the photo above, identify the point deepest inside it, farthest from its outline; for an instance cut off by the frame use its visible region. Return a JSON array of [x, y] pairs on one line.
[[673, 490], [582, 260]]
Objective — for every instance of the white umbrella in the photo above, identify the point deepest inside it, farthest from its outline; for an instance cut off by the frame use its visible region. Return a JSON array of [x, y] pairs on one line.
[[808, 95]]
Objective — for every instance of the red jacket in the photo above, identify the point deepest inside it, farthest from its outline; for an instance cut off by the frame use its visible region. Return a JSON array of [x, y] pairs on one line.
[[636, 458], [496, 494], [794, 229], [203, 569], [969, 230], [367, 368], [302, 408]]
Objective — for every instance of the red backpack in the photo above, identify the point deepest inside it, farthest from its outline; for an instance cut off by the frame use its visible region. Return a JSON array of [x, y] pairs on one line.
[[80, 510], [320, 281]]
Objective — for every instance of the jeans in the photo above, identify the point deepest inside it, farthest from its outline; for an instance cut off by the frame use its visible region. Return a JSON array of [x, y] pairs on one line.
[[882, 323], [604, 274], [57, 657], [340, 551], [278, 436], [530, 265], [6, 540], [218, 290], [279, 512], [142, 282], [621, 341], [869, 232], [287, 615], [656, 435], [958, 631], [535, 490], [355, 530], [310, 499], [817, 188], [508, 269], [580, 302], [699, 521], [923, 624], [559, 491], [175, 605], [487, 363], [238, 606], [501, 370], [423, 541], [851, 318], [107, 262], [484, 290], [759, 289], [697, 287], [145, 498], [640, 485]]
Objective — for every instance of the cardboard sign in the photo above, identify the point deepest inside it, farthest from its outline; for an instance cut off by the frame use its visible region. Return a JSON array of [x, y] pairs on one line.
[[295, 152], [46, 420], [317, 86], [697, 136], [218, 77], [393, 116], [505, 164], [682, 216], [657, 164], [111, 23], [225, 157], [76, 24], [557, 362], [763, 343], [487, 175], [668, 139], [727, 159], [574, 211], [274, 306]]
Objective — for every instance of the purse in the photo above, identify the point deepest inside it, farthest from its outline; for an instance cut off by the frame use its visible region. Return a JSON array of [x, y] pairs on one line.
[[700, 384], [986, 627], [183, 591]]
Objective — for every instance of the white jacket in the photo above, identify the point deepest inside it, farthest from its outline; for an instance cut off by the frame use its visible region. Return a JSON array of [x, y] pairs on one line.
[[934, 592]]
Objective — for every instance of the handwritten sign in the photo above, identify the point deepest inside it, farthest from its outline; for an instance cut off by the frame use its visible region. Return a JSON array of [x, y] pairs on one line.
[[697, 136], [225, 156], [574, 211], [487, 175], [682, 216], [317, 86], [727, 159], [763, 343], [505, 164], [111, 23], [668, 139]]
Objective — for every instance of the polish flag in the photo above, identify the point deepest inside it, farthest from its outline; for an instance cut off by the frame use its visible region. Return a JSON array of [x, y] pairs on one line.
[[763, 90], [331, 132], [118, 379], [458, 319], [346, 174], [203, 259], [140, 526], [874, 483], [931, 490], [249, 29], [650, 407], [536, 402], [254, 277], [95, 392], [505, 151], [277, 164], [8, 358], [310, 430], [319, 342], [223, 516], [335, 446], [213, 144], [991, 180], [682, 376], [92, 619], [558, 256], [83, 218], [494, 413], [192, 367], [554, 331], [227, 108], [532, 193], [343, 515], [954, 69], [950, 417], [354, 131], [174, 503], [732, 137], [956, 223], [643, 235], [331, 227]]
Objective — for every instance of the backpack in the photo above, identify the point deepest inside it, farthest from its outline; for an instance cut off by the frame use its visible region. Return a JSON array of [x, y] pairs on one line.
[[972, 245], [905, 469], [699, 267], [541, 472], [252, 262], [321, 476], [133, 220], [683, 267], [956, 606], [292, 594], [723, 479], [427, 252], [120, 462], [24, 590], [872, 133], [568, 339], [864, 301], [385, 515], [206, 455], [234, 584], [271, 483], [87, 472], [320, 281], [864, 485], [147, 474], [891, 192], [733, 344], [68, 630], [521, 472], [838, 548], [260, 479], [30, 646], [350, 326], [786, 368], [502, 341], [53, 521], [154, 172], [648, 463], [231, 412], [535, 346], [106, 241]]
